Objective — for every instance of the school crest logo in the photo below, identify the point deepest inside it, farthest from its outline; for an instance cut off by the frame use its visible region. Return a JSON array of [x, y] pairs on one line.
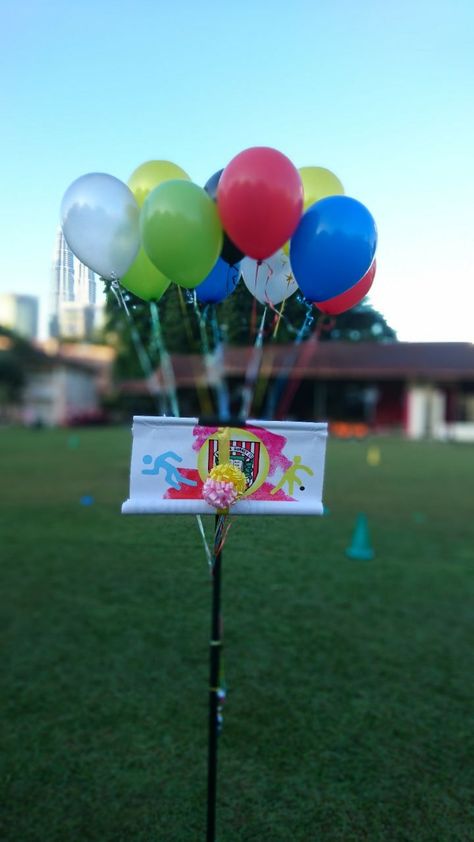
[[247, 453]]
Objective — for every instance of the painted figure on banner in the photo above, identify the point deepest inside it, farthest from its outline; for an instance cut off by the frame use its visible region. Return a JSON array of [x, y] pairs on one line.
[[172, 474], [290, 477]]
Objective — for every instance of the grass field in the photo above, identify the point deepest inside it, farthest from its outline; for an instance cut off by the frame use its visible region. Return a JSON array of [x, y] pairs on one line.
[[351, 684]]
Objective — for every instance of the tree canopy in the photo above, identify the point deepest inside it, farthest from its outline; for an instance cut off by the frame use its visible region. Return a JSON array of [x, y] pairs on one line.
[[186, 327]]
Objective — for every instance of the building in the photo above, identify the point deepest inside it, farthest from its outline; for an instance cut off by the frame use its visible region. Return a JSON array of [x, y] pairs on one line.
[[74, 311], [59, 391], [423, 390], [78, 321], [99, 358], [46, 389], [20, 314], [51, 384]]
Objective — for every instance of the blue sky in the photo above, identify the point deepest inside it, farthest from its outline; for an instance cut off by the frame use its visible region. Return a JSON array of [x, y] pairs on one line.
[[379, 92]]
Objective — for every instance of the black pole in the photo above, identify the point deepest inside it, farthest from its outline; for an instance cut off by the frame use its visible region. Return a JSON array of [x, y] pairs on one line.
[[214, 666], [215, 650]]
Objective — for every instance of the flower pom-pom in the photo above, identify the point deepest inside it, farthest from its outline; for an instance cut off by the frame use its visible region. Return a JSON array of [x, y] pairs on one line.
[[221, 495], [223, 486], [229, 473]]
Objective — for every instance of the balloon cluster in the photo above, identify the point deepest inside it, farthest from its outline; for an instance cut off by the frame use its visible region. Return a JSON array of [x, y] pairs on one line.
[[278, 227]]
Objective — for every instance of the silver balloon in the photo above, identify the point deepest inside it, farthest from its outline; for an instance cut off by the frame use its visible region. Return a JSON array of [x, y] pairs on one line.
[[99, 218], [272, 280]]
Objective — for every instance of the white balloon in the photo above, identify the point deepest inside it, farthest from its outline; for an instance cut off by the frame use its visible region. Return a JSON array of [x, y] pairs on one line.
[[99, 218], [272, 280]]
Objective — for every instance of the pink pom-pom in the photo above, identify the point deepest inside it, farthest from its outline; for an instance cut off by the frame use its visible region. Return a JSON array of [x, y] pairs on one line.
[[220, 495]]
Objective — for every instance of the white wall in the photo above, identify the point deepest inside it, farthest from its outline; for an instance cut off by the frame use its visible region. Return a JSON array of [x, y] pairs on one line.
[[52, 396], [426, 410]]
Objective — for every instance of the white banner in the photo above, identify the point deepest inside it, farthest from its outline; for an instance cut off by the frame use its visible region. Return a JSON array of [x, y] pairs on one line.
[[283, 464]]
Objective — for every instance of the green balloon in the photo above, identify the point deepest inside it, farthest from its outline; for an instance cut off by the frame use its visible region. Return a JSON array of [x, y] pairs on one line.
[[144, 279], [181, 231]]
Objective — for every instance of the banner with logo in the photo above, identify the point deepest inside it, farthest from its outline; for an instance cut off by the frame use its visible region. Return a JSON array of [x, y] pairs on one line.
[[282, 461]]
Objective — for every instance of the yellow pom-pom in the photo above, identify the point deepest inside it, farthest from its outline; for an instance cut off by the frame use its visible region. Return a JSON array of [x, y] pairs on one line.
[[229, 473]]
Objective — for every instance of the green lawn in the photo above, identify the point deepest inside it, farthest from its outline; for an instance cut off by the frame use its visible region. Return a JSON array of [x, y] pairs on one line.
[[351, 684]]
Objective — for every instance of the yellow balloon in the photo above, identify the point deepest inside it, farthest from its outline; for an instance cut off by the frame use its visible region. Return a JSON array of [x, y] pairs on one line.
[[152, 173], [144, 279], [318, 183]]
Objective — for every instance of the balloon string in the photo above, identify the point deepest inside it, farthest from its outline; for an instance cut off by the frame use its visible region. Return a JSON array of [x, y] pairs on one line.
[[267, 365], [166, 365], [267, 281], [186, 320], [278, 320], [253, 316], [269, 302], [282, 380], [253, 369], [223, 526], [233, 279], [223, 398], [307, 350], [325, 324], [213, 375], [253, 319], [151, 377], [201, 388], [207, 551], [148, 368]]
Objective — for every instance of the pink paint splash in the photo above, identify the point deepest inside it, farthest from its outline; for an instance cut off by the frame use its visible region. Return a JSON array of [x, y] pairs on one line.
[[186, 492]]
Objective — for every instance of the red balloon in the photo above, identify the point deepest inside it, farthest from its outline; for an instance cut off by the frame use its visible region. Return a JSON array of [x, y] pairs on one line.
[[260, 200], [349, 298]]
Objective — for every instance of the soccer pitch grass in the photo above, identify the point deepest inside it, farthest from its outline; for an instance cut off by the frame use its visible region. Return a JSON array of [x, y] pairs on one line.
[[350, 684]]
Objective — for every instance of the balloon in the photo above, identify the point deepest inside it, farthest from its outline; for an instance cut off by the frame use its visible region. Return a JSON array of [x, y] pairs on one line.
[[270, 281], [318, 182], [220, 283], [181, 231], [260, 200], [150, 174], [346, 300], [100, 221], [333, 247], [211, 185], [230, 253], [144, 279]]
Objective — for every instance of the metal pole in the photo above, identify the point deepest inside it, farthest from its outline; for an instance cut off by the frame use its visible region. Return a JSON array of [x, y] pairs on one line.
[[223, 437], [214, 666]]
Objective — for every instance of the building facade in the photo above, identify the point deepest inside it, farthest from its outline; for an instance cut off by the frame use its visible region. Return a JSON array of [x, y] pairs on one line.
[[20, 314], [75, 312], [421, 390]]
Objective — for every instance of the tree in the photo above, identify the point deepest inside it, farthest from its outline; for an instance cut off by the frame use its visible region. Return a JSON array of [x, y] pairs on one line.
[[15, 354], [361, 324], [139, 338], [187, 328]]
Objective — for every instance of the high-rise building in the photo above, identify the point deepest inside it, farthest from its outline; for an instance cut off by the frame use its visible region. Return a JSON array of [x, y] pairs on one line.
[[74, 309], [20, 314]]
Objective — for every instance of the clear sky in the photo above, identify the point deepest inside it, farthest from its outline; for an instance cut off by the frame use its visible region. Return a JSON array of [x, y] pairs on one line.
[[380, 92]]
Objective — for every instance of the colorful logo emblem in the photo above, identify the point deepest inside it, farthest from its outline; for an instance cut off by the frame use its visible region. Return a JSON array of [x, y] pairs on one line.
[[247, 452]]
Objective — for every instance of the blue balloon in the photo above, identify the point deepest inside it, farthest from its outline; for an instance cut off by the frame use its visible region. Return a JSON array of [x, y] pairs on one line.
[[333, 247], [221, 281]]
